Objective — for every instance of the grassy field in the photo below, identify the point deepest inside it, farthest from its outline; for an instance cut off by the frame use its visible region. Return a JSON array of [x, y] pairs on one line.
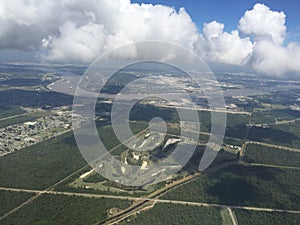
[[262, 218], [9, 200], [66, 210], [245, 186], [270, 155], [168, 214], [7, 112], [22, 118]]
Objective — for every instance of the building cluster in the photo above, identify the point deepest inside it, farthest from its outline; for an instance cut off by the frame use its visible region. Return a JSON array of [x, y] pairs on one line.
[[18, 136]]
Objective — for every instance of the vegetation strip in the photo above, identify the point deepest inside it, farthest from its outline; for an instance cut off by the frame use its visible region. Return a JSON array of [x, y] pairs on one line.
[[153, 200]]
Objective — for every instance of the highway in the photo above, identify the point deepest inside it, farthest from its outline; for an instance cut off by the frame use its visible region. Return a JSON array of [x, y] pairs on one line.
[[151, 200], [200, 109], [275, 146]]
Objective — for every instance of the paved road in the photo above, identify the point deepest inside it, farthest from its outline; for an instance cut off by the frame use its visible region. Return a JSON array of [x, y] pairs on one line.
[[201, 109], [287, 121], [132, 214], [22, 114], [152, 200], [270, 165], [275, 146], [14, 116], [19, 206], [233, 219], [242, 152]]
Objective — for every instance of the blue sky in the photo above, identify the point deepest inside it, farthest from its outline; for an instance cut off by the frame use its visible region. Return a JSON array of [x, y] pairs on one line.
[[229, 12]]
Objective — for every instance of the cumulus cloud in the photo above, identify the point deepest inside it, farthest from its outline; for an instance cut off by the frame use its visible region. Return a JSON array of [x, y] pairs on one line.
[[76, 43], [263, 23], [79, 31], [269, 58], [24, 24], [224, 47], [268, 30]]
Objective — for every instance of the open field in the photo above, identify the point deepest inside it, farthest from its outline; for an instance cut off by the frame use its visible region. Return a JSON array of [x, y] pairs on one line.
[[8, 112], [22, 118]]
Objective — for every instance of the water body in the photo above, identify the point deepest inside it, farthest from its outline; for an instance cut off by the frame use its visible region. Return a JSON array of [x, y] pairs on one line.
[[68, 85]]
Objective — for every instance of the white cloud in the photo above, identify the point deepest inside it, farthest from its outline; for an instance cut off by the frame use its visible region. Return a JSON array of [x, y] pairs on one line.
[[24, 24], [82, 30], [268, 29], [217, 45], [79, 31], [133, 22], [263, 23], [76, 43], [272, 59]]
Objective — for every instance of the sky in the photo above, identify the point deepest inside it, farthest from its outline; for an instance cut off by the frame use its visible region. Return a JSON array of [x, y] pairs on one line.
[[229, 12], [261, 35]]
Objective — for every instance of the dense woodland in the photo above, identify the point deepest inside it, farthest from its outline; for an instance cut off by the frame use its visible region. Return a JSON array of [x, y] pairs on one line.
[[271, 155], [59, 209], [245, 186], [169, 214], [246, 217]]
